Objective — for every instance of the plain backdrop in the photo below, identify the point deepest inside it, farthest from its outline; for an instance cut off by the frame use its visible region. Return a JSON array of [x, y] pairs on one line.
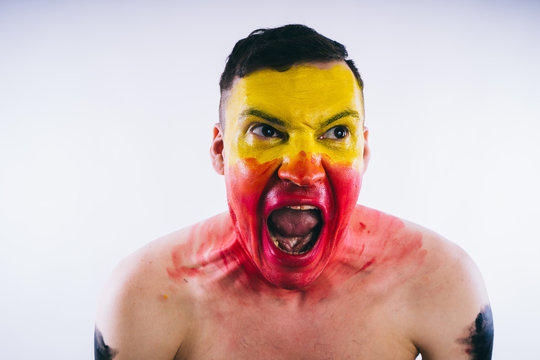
[[106, 114]]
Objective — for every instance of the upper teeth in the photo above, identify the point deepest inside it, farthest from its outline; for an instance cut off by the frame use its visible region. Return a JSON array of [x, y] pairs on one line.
[[302, 207]]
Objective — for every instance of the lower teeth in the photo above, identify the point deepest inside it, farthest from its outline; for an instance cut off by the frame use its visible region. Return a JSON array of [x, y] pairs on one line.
[[279, 246]]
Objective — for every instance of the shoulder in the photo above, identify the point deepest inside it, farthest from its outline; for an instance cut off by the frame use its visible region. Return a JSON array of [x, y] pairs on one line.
[[448, 276], [441, 265], [145, 311], [445, 297], [138, 304], [450, 305]]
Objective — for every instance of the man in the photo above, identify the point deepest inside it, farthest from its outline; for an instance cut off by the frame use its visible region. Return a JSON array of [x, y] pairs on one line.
[[295, 270]]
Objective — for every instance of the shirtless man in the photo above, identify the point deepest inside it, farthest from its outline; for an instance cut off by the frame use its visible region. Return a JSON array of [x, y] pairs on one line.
[[295, 269]]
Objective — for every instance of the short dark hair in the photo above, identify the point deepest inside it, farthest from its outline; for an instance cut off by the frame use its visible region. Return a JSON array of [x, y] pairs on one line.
[[279, 49]]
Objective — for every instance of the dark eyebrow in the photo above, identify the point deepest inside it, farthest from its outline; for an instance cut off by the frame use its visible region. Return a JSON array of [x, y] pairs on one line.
[[262, 115], [348, 112]]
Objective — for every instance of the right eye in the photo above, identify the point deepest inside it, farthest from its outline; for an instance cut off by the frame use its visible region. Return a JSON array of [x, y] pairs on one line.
[[264, 130]]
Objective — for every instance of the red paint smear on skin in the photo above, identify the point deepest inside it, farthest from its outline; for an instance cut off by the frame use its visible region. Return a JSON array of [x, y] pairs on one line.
[[387, 240], [230, 250], [211, 252]]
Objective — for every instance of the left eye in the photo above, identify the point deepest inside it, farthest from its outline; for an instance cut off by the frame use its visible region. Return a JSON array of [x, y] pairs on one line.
[[337, 132], [264, 130]]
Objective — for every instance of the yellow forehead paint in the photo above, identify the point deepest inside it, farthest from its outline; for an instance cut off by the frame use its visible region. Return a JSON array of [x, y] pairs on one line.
[[304, 104]]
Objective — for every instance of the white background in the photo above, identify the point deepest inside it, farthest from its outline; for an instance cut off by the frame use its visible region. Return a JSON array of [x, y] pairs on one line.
[[106, 112]]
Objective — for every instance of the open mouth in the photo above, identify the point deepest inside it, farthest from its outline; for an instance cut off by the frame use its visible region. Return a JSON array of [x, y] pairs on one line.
[[295, 229]]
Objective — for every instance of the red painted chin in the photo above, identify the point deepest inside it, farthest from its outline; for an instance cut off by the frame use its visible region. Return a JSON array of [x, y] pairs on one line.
[[251, 203]]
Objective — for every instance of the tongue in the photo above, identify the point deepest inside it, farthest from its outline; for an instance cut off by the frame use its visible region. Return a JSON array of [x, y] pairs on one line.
[[289, 222], [294, 228]]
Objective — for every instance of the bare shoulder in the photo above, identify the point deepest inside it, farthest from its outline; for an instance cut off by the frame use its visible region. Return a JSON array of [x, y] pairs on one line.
[[137, 308], [440, 266], [145, 313], [449, 302], [445, 303], [448, 276]]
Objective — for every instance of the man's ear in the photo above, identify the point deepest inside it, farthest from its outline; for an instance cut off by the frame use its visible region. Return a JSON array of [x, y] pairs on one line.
[[367, 152], [216, 150]]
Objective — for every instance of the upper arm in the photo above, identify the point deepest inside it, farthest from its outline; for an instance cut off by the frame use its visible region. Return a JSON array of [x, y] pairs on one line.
[[139, 316], [454, 315]]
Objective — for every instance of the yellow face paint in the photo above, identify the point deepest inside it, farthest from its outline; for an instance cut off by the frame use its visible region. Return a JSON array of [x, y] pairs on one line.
[[273, 115]]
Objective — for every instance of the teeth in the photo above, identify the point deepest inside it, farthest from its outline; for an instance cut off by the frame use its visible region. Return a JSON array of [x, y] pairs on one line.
[[276, 243], [302, 207], [279, 247]]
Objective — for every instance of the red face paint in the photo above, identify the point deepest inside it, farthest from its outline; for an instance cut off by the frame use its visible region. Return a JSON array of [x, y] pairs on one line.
[[255, 190]]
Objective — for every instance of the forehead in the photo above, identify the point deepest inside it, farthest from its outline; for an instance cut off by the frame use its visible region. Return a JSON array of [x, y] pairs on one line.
[[306, 91]]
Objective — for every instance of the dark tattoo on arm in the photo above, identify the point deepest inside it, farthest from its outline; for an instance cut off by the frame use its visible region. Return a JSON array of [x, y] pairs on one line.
[[480, 340], [101, 350]]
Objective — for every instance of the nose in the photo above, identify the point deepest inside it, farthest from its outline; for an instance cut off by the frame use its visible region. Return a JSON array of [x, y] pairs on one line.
[[302, 169]]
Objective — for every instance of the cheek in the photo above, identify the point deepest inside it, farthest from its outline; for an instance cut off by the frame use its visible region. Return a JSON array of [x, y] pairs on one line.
[[246, 180], [345, 181]]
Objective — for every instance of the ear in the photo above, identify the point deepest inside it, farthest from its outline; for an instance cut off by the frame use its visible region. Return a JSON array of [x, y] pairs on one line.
[[367, 152], [216, 150]]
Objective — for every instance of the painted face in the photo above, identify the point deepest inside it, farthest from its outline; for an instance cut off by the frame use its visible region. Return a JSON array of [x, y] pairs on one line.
[[293, 163]]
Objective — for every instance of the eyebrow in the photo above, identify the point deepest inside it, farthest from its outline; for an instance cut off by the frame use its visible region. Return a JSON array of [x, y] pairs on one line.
[[262, 115], [345, 113], [275, 120]]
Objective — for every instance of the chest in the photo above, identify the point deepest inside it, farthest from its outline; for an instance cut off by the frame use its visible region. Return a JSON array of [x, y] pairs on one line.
[[265, 328]]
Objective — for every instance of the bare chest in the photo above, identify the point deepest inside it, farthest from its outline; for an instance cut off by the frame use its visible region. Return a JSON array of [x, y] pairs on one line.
[[271, 329]]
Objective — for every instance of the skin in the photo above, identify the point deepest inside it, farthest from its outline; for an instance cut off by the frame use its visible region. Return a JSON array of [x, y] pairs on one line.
[[373, 286]]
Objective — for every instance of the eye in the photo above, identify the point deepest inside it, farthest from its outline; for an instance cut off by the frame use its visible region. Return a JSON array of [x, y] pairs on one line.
[[337, 132], [265, 130]]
